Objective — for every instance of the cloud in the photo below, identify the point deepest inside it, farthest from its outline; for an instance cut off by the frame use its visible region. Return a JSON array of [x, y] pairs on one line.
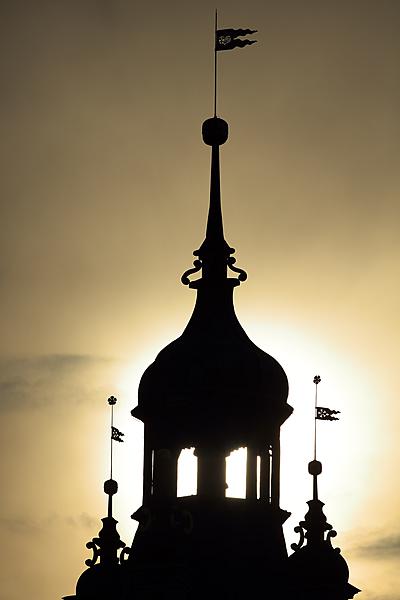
[[378, 546], [84, 521], [40, 381], [382, 547], [28, 526], [20, 525]]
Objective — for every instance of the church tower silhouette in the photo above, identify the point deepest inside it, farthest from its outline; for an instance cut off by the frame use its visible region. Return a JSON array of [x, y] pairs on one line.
[[213, 389], [216, 391]]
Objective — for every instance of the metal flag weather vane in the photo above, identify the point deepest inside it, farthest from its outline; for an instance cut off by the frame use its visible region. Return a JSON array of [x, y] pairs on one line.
[[321, 413], [228, 39], [116, 434]]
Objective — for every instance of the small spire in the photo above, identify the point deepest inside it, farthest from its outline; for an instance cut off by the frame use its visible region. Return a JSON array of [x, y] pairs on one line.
[[105, 547], [214, 255], [315, 524], [215, 133], [315, 563], [111, 486]]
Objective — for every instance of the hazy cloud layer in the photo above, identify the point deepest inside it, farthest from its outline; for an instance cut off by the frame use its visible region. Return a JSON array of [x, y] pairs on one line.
[[380, 547], [26, 526], [37, 382]]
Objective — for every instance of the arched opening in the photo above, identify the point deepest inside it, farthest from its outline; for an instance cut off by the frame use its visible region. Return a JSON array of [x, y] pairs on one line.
[[187, 473], [236, 473]]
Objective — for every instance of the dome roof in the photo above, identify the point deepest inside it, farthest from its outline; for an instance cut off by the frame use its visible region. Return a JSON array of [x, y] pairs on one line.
[[214, 374], [319, 565], [99, 582], [320, 569], [213, 379]]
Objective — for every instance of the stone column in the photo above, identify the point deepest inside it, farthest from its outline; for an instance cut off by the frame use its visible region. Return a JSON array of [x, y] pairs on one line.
[[211, 472], [251, 473]]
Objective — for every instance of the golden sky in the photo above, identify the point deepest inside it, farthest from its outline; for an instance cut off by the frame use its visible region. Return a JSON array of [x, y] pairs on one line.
[[104, 197]]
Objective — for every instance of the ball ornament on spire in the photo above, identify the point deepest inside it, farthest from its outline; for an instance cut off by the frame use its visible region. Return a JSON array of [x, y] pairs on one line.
[[110, 487], [315, 468], [215, 131]]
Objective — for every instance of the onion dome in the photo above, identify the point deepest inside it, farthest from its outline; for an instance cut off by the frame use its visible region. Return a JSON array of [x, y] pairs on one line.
[[322, 571], [100, 582], [213, 378], [318, 570]]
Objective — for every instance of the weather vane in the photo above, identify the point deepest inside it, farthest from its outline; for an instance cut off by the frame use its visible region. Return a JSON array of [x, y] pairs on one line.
[[116, 434], [106, 545], [228, 39], [321, 413]]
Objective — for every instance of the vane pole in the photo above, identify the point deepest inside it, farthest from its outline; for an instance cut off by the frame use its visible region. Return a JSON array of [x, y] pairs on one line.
[[316, 380], [315, 467], [215, 63], [111, 401], [111, 441]]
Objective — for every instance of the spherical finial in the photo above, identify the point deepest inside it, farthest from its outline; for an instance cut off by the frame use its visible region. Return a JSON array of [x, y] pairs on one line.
[[110, 487], [215, 131], [315, 467]]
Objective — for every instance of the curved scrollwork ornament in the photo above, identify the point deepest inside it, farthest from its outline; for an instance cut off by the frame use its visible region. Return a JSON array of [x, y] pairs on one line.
[[242, 274], [197, 266], [299, 529], [331, 534], [95, 547]]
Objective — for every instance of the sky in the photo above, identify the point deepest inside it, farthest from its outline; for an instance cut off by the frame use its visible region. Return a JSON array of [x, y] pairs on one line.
[[104, 192]]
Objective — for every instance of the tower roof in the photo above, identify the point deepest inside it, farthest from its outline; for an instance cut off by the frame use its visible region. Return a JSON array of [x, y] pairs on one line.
[[213, 378], [105, 573], [317, 569]]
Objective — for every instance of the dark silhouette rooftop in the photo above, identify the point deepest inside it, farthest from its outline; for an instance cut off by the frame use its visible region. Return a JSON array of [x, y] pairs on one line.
[[213, 383], [318, 569], [213, 389]]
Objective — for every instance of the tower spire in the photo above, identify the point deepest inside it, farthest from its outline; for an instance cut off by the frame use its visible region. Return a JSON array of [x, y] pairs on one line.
[[214, 255], [105, 547], [111, 486], [104, 576], [315, 467], [316, 567], [215, 63]]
